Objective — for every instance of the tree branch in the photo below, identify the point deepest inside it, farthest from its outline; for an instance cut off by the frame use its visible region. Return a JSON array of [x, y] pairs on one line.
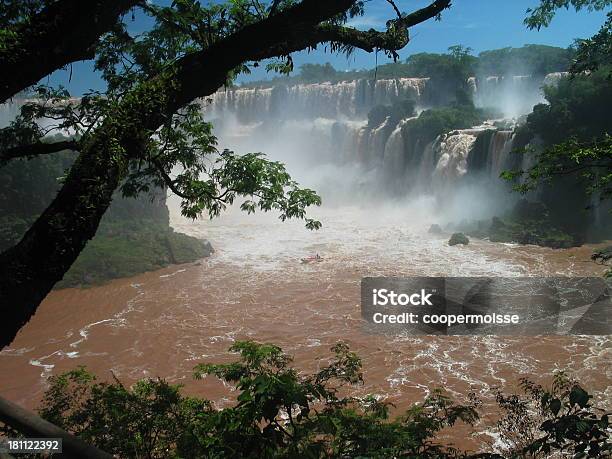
[[172, 187], [299, 27], [274, 6], [63, 32], [168, 180], [37, 149], [397, 11]]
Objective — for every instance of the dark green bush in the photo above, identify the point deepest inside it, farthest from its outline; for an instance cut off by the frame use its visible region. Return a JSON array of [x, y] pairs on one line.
[[431, 123]]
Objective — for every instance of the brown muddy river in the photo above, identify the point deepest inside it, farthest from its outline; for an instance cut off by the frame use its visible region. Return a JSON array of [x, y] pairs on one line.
[[163, 323]]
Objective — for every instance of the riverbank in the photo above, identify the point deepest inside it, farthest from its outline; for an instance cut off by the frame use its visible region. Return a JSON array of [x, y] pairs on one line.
[[122, 250], [134, 235]]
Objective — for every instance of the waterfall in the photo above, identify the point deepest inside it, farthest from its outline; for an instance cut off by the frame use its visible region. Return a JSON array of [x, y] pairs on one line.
[[514, 95], [326, 126], [427, 166], [499, 151], [346, 139], [345, 99], [453, 148], [552, 79], [473, 85], [394, 161], [9, 111]]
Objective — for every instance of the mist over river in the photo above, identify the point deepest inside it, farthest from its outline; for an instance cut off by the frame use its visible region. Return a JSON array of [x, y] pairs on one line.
[[163, 323]]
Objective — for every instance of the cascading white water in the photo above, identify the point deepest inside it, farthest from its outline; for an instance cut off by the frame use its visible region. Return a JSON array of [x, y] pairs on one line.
[[393, 154], [325, 124], [500, 148], [454, 149], [552, 79], [8, 112], [346, 99]]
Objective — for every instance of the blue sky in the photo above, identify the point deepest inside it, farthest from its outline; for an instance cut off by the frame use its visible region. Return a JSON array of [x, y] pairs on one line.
[[479, 24]]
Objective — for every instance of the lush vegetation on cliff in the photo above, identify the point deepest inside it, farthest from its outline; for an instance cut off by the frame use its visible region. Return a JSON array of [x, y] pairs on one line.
[[124, 248], [283, 413], [134, 237], [576, 107], [527, 223], [452, 68], [433, 122], [528, 60], [573, 166], [575, 125]]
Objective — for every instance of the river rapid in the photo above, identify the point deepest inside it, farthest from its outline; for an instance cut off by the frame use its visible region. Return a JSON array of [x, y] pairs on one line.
[[161, 324]]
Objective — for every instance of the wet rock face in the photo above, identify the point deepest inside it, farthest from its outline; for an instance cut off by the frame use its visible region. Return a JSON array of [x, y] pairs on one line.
[[458, 238]]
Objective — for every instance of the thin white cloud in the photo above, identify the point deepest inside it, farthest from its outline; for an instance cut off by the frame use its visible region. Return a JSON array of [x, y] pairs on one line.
[[366, 22]]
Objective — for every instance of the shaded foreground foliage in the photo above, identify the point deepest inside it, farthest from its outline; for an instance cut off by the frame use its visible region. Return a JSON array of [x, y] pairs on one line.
[[283, 413]]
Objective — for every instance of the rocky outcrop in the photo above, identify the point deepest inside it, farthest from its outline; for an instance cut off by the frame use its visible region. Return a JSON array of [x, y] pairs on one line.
[[134, 236]]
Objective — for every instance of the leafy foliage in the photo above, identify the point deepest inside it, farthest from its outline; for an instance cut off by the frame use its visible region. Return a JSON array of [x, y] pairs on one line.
[[591, 162], [527, 60], [450, 69], [543, 14], [207, 180], [576, 107], [433, 122], [560, 418], [595, 52], [576, 130], [146, 420], [279, 413], [395, 112], [455, 66], [317, 72]]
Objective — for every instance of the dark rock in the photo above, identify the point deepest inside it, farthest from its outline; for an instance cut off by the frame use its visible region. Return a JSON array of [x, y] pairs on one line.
[[435, 229], [458, 238]]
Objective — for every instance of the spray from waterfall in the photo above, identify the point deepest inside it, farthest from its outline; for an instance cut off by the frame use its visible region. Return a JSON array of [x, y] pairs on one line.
[[320, 131]]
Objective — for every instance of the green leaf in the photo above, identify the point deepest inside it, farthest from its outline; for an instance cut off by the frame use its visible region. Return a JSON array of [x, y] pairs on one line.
[[579, 396], [555, 406]]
